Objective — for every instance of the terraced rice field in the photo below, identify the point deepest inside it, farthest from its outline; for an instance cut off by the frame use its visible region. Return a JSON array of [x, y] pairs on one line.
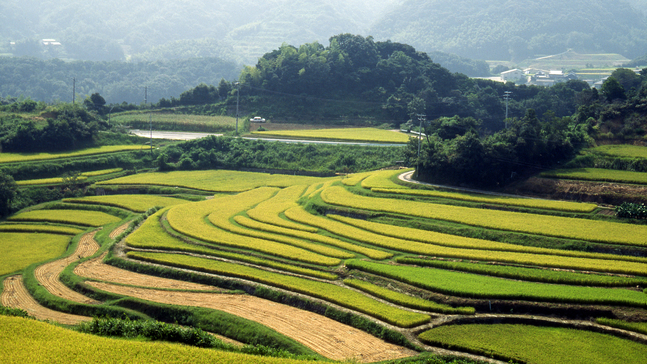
[[348, 134], [307, 238], [28, 157]]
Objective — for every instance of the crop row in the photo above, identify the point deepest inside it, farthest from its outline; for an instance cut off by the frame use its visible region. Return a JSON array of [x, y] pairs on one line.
[[478, 286], [190, 220], [406, 300], [74, 217], [326, 291], [40, 228], [583, 229], [371, 253], [19, 250], [151, 235], [499, 200], [25, 157], [528, 274], [137, 203], [472, 252], [431, 237], [268, 211], [536, 344], [214, 180], [598, 174]]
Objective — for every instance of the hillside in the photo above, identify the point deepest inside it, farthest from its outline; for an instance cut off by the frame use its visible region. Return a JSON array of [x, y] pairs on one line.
[[516, 30]]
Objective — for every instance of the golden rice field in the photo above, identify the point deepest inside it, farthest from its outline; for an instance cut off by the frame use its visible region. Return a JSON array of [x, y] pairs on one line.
[[348, 134], [316, 239], [29, 157]]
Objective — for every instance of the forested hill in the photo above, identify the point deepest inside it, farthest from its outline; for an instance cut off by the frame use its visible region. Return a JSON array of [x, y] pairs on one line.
[[512, 29]]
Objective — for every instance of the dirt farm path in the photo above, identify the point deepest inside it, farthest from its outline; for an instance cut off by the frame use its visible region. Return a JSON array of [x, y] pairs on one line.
[[96, 269], [323, 335], [15, 295], [47, 274], [115, 233]]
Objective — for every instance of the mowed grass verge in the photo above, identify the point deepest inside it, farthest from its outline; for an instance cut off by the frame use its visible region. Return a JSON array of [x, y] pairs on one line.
[[540, 345], [582, 229], [326, 291]]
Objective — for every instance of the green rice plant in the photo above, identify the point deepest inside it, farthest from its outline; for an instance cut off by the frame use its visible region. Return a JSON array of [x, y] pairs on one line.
[[31, 341], [268, 211], [528, 274], [215, 180], [39, 228], [432, 237], [498, 200], [371, 253], [621, 150], [326, 291], [591, 261], [191, 220], [406, 300], [478, 286], [598, 174], [382, 179], [19, 250], [151, 235], [536, 344], [173, 121], [639, 327], [581, 229], [355, 134], [136, 203], [74, 217], [28, 157]]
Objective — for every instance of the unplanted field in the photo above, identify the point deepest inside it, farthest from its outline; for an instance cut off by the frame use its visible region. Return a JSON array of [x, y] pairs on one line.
[[216, 180], [19, 250], [540, 345], [350, 134], [323, 335], [28, 157]]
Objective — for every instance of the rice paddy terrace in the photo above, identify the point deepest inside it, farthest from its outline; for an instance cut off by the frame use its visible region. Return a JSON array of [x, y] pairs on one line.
[[362, 267]]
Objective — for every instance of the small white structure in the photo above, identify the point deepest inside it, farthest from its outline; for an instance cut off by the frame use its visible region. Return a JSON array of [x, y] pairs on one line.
[[257, 119], [511, 75]]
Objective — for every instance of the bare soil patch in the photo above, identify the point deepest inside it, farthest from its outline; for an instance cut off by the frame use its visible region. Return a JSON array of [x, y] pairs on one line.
[[47, 274], [15, 295], [327, 337], [116, 232], [96, 269]]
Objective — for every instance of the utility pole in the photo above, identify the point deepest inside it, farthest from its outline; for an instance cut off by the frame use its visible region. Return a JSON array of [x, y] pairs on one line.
[[421, 118], [237, 102], [506, 97]]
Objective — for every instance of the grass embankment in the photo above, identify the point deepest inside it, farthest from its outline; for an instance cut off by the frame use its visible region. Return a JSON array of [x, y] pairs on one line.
[[574, 228], [344, 134], [326, 291], [540, 345], [478, 286]]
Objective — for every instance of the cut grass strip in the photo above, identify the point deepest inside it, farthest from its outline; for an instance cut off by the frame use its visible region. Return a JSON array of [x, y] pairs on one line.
[[498, 200], [371, 253], [565, 227], [478, 286], [137, 203], [74, 217], [326, 291], [598, 174], [190, 220], [528, 274], [537, 344], [406, 300], [151, 235]]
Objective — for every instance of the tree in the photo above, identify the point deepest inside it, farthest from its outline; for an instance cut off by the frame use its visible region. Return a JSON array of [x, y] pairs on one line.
[[613, 90], [95, 102], [7, 193]]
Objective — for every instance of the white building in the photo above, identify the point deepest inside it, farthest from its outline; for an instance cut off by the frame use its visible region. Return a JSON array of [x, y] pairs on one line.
[[511, 75]]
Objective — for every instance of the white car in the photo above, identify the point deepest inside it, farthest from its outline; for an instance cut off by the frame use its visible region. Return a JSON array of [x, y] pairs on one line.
[[257, 119]]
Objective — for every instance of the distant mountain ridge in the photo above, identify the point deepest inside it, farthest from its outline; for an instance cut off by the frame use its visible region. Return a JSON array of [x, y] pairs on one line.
[[512, 29]]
